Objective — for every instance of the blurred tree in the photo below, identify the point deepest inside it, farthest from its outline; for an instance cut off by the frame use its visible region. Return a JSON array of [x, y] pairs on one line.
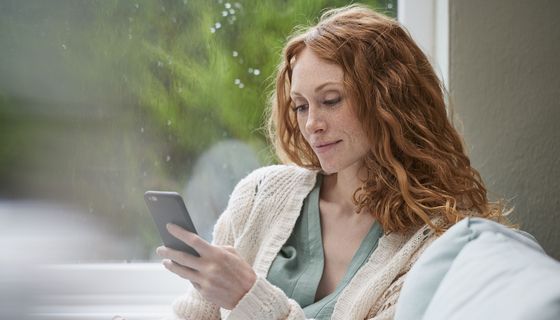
[[102, 99]]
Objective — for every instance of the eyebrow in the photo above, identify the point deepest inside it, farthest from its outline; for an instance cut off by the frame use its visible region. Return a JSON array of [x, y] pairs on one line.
[[318, 88]]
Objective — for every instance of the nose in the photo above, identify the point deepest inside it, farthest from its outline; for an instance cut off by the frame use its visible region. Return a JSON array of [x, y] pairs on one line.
[[315, 121]]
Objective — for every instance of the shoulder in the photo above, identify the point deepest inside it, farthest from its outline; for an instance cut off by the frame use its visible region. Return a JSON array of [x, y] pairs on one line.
[[266, 202], [281, 170], [267, 186], [278, 176]]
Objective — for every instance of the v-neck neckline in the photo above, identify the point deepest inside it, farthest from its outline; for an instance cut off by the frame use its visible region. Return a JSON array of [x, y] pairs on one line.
[[315, 233]]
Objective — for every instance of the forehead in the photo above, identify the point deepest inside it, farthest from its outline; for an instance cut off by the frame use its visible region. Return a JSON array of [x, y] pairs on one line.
[[309, 71]]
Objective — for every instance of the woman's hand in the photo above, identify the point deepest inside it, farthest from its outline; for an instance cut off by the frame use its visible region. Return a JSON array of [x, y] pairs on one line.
[[220, 274]]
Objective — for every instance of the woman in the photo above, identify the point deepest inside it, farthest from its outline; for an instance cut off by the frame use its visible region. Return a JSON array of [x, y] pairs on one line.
[[374, 172]]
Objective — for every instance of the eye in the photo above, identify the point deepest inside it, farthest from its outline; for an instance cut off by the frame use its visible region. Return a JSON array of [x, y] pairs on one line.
[[299, 105], [332, 102], [299, 108]]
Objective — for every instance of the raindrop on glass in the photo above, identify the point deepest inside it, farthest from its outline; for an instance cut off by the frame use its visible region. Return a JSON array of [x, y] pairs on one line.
[[257, 72], [235, 53], [218, 25], [227, 5]]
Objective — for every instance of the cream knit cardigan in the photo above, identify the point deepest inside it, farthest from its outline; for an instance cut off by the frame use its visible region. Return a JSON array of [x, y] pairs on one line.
[[260, 216]]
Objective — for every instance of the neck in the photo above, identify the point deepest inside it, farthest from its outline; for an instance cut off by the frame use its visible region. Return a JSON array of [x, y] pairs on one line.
[[339, 188]]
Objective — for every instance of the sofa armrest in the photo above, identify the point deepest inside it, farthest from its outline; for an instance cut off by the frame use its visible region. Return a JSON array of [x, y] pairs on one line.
[[479, 269]]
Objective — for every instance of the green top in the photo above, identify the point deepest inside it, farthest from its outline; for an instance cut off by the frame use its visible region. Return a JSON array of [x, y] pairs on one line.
[[298, 267]]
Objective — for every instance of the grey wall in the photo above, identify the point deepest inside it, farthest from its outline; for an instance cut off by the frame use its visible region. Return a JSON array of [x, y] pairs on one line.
[[505, 88]]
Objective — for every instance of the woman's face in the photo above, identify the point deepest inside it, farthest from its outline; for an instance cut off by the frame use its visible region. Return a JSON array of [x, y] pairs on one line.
[[325, 117]]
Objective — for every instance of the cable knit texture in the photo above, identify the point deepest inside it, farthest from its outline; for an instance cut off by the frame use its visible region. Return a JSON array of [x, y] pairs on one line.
[[260, 216]]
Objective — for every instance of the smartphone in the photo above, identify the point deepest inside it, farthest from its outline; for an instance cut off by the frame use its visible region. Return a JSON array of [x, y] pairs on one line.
[[169, 207]]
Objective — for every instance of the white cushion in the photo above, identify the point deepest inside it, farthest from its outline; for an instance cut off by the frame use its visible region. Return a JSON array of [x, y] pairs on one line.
[[480, 269]]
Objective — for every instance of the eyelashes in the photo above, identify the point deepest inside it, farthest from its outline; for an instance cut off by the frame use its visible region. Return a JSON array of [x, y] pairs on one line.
[[328, 103], [299, 108], [332, 102]]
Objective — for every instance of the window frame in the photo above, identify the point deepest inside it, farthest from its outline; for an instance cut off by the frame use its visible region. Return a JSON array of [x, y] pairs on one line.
[[428, 23]]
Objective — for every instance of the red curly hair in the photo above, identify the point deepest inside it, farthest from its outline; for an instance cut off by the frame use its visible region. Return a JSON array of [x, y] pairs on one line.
[[417, 168]]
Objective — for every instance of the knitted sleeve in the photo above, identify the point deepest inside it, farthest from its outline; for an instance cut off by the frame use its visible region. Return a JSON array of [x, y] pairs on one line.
[[266, 301], [192, 305]]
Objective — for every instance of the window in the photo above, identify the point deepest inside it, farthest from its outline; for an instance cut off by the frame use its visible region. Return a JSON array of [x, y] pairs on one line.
[[103, 100]]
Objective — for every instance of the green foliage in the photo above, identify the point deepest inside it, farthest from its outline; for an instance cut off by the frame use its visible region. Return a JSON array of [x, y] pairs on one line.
[[201, 68], [134, 92]]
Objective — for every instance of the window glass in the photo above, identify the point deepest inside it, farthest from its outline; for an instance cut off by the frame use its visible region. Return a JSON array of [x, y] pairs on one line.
[[101, 100]]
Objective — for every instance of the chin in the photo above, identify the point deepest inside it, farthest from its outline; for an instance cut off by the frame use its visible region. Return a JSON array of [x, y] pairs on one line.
[[328, 169]]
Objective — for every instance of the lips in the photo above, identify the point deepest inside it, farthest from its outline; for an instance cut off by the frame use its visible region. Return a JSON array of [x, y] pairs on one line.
[[325, 146]]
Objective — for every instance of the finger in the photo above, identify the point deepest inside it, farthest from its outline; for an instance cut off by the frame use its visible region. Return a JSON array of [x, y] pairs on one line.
[[192, 239], [183, 272], [180, 257]]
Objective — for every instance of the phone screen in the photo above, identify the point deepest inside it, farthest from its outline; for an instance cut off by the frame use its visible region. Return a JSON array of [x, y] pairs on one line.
[[169, 207]]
